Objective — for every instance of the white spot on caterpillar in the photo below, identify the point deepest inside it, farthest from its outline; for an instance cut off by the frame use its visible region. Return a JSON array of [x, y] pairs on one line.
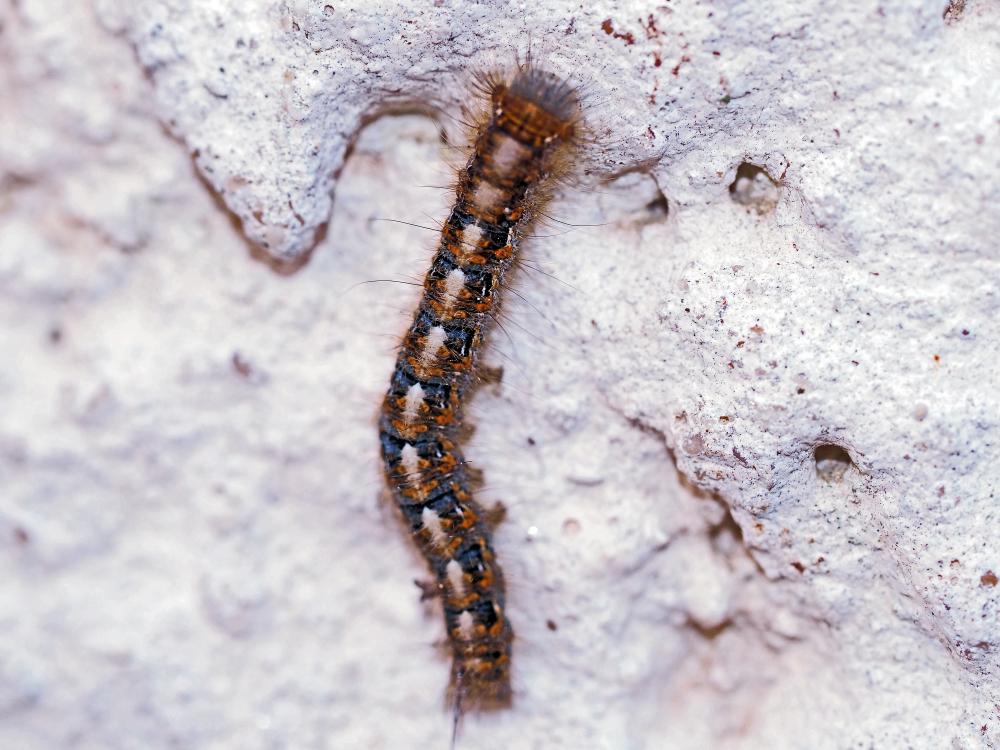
[[455, 577], [432, 522], [466, 626], [486, 198], [453, 286], [414, 398], [410, 461], [470, 237], [509, 153], [435, 339]]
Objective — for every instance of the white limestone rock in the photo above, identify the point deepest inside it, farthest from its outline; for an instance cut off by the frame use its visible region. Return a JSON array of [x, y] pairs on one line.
[[746, 437]]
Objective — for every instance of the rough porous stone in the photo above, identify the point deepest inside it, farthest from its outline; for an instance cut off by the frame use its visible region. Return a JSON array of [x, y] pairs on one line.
[[746, 432]]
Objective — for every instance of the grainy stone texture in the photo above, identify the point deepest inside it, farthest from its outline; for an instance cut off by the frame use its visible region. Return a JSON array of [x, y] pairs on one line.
[[747, 436]]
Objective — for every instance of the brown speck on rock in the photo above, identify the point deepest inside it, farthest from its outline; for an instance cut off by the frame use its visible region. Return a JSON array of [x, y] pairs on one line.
[[241, 366], [608, 27], [953, 11], [551, 625], [799, 566], [989, 578], [650, 26], [571, 527], [693, 445]]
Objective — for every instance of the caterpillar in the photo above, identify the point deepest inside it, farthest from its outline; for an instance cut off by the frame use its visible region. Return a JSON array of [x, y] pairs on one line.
[[521, 141]]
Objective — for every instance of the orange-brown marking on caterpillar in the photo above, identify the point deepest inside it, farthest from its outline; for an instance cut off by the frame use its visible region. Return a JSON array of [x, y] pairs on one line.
[[531, 119]]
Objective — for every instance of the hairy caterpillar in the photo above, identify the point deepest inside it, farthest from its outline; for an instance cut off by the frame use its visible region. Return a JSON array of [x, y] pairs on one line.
[[532, 118]]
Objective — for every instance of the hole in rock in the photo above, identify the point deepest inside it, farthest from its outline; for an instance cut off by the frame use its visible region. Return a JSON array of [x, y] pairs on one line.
[[658, 209], [832, 462], [634, 199], [755, 188]]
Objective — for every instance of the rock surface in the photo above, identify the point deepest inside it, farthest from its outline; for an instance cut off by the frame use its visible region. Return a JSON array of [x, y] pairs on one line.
[[747, 427]]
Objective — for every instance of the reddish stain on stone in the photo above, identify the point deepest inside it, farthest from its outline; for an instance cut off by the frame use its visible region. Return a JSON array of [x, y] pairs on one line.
[[609, 28]]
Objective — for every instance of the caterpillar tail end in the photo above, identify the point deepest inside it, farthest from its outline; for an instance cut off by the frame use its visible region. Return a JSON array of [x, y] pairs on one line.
[[478, 687]]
